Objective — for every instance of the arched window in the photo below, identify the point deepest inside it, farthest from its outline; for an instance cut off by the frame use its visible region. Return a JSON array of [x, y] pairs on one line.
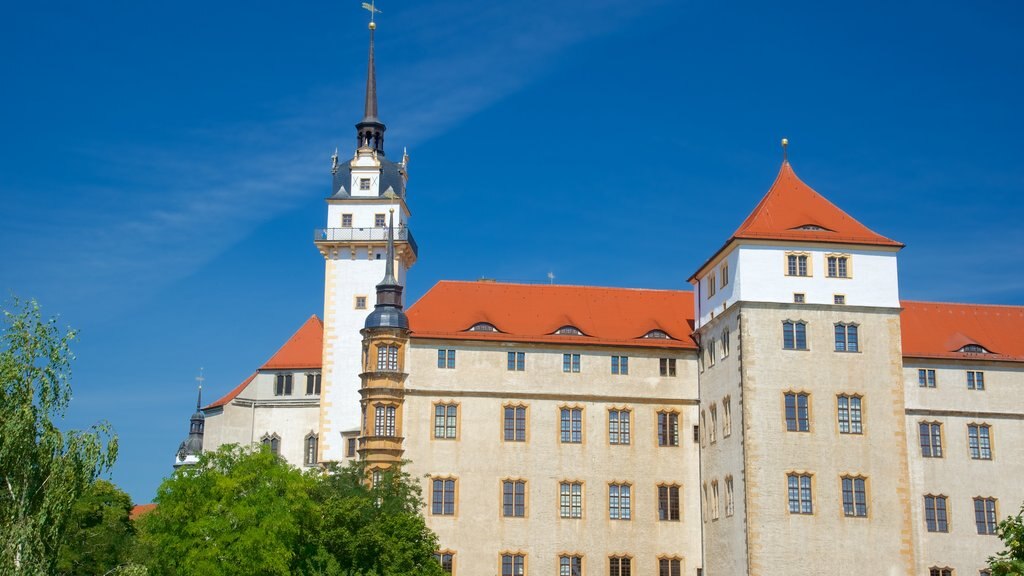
[[661, 334], [569, 331], [310, 450], [483, 327], [794, 335], [272, 441], [973, 349]]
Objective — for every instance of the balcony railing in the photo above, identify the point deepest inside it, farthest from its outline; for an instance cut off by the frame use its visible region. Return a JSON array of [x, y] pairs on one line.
[[402, 234]]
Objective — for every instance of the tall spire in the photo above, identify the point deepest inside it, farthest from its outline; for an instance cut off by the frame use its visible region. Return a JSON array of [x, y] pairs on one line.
[[370, 130], [387, 313]]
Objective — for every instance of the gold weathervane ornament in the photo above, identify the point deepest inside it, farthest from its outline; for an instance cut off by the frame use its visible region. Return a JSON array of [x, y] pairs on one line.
[[785, 145], [373, 11]]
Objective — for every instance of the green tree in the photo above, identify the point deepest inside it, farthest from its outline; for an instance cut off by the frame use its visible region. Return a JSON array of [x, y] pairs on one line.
[[1010, 562], [43, 470], [372, 530], [100, 535], [237, 511]]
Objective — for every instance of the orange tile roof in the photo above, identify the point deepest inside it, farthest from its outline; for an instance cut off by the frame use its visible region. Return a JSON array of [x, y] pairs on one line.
[[140, 509], [533, 312], [938, 330], [304, 349]]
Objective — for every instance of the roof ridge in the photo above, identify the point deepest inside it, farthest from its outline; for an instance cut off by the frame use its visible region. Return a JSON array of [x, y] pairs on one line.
[[942, 303], [543, 285]]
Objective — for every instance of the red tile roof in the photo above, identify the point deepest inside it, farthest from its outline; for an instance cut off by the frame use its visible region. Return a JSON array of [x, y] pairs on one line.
[[304, 349], [140, 509], [533, 312], [938, 330]]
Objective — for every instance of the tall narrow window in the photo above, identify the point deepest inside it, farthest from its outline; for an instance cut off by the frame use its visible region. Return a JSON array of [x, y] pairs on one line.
[[442, 496], [513, 498], [513, 565], [931, 439], [712, 284], [387, 358], [794, 335], [515, 423], [799, 486], [283, 385], [310, 450], [313, 384], [726, 417], [272, 441], [935, 514], [730, 504], [975, 380], [570, 566], [711, 352], [855, 502], [571, 425], [350, 448], [446, 358], [926, 378], [619, 501], [846, 337], [445, 420], [668, 503], [668, 429], [620, 364], [384, 421], [669, 567], [798, 412], [516, 361], [985, 515], [713, 428], [714, 499], [849, 413], [620, 566], [725, 343], [570, 362], [724, 271], [446, 560], [618, 426], [979, 441], [570, 499], [667, 366]]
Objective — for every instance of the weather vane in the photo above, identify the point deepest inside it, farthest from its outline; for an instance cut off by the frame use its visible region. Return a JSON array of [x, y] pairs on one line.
[[200, 380], [373, 11], [785, 146]]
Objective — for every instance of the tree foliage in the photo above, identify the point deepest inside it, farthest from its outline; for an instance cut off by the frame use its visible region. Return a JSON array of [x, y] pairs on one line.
[[1010, 562], [43, 470], [100, 534], [246, 511]]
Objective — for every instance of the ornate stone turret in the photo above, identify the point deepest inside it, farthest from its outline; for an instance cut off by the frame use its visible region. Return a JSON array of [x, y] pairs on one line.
[[192, 447]]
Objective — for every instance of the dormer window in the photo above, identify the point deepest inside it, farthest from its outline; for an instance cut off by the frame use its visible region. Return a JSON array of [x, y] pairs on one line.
[[483, 327], [364, 183], [973, 349], [812, 228], [659, 334], [569, 331]]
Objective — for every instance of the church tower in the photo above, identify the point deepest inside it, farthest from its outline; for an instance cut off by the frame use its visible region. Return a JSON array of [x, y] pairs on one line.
[[192, 447], [354, 245], [802, 428]]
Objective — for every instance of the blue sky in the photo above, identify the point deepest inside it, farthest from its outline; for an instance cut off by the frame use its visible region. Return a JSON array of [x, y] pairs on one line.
[[162, 166]]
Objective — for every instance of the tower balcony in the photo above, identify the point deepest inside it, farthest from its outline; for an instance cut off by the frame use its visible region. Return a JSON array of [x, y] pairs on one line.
[[329, 236]]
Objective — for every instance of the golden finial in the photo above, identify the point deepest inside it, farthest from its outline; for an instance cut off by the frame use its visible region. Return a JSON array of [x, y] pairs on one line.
[[373, 10], [785, 144]]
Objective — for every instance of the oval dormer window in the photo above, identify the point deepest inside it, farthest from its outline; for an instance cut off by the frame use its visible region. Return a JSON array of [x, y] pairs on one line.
[[658, 334], [812, 228], [569, 331], [973, 349], [483, 327]]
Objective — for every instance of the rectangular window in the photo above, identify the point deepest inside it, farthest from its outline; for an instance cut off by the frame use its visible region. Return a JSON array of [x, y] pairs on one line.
[[360, 303], [838, 266], [346, 220], [935, 514], [442, 497], [620, 364], [283, 385], [667, 367], [839, 299], [513, 498], [515, 423], [620, 566], [714, 499], [975, 380], [799, 298], [846, 338], [619, 501], [571, 425], [570, 566], [351, 452], [713, 429], [384, 421], [516, 361], [730, 504], [387, 358], [446, 358], [712, 284], [570, 362], [310, 458], [794, 335], [668, 503], [570, 500], [931, 439], [725, 274], [446, 560], [985, 515], [364, 183], [725, 343], [669, 567], [800, 494], [726, 417], [513, 565], [313, 383], [979, 441], [668, 429], [618, 426], [926, 378], [379, 221], [855, 502], [711, 353], [798, 412], [940, 572], [796, 265], [445, 420], [849, 413]]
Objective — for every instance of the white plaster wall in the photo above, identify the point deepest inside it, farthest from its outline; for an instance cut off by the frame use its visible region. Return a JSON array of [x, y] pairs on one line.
[[363, 213]]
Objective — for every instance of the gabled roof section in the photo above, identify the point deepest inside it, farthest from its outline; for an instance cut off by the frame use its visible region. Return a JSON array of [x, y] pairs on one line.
[[231, 395], [533, 312], [305, 349], [792, 210], [939, 330]]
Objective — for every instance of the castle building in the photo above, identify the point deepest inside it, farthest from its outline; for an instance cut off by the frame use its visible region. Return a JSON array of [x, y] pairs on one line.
[[789, 414]]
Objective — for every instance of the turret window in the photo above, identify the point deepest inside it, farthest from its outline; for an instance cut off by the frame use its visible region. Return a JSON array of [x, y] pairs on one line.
[[384, 421], [346, 220], [364, 183], [387, 358], [379, 220]]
